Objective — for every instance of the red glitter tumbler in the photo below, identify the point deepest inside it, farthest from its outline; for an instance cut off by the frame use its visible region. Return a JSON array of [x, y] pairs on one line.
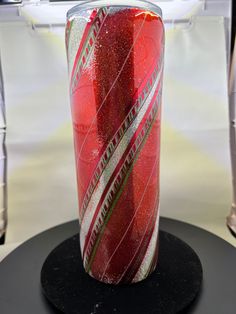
[[115, 58]]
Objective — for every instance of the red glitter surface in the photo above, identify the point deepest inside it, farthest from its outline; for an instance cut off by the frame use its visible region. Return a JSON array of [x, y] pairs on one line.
[[127, 48]]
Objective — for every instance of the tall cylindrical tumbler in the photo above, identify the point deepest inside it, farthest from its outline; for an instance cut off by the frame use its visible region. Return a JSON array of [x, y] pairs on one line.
[[115, 57]]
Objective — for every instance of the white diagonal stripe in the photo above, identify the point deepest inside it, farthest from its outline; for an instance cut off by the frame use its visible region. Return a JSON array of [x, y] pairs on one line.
[[142, 272], [75, 36], [86, 45]]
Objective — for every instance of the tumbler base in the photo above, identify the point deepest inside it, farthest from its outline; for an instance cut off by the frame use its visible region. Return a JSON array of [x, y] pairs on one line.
[[169, 289]]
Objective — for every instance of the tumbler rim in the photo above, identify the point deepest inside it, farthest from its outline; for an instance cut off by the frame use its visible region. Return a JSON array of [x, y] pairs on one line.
[[142, 4]]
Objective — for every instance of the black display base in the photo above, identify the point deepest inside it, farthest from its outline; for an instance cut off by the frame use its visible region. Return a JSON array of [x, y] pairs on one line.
[[170, 289]]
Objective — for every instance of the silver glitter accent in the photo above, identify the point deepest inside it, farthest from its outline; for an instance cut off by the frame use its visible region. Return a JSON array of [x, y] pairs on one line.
[[88, 47], [143, 270], [75, 36]]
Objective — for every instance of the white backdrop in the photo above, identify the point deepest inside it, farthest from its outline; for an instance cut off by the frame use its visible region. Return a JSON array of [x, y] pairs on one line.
[[195, 167]]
